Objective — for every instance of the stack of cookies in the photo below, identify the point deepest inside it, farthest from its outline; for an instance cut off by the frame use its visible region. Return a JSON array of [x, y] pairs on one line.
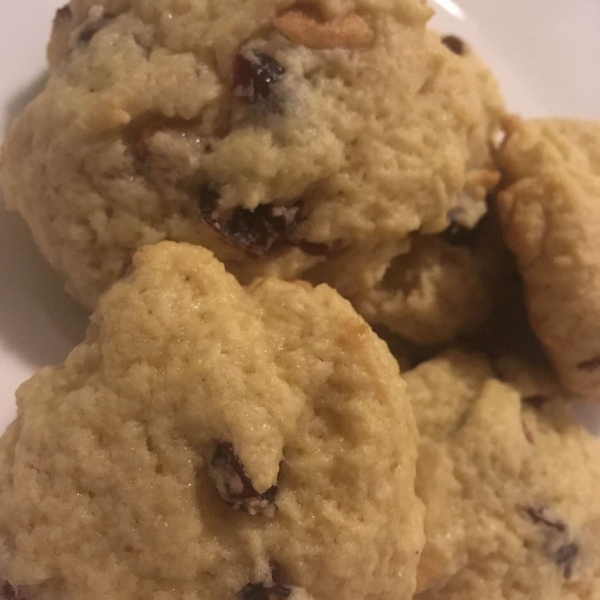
[[341, 301]]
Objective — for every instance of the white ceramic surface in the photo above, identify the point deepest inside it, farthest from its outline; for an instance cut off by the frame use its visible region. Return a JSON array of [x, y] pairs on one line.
[[543, 51]]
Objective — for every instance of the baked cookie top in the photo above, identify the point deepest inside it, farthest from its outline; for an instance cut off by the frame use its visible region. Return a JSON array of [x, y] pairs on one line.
[[208, 440], [550, 214], [511, 489], [277, 135]]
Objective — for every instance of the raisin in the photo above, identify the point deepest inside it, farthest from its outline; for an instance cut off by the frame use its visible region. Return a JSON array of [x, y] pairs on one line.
[[257, 231], [255, 75], [539, 515], [565, 557], [589, 365], [454, 44], [259, 591], [235, 486]]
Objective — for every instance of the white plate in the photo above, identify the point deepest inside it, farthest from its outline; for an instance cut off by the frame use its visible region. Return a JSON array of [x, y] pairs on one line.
[[543, 51]]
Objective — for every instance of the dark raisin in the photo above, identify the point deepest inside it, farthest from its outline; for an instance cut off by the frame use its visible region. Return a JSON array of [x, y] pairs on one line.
[[255, 75], [590, 365], [565, 557], [454, 44], [260, 591], [255, 231], [539, 515], [258, 231], [235, 486]]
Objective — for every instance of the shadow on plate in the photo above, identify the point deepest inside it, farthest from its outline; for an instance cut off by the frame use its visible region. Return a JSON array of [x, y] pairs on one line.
[[23, 97], [38, 320]]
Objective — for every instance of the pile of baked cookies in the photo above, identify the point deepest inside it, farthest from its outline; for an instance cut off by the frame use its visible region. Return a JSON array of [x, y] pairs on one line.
[[228, 185]]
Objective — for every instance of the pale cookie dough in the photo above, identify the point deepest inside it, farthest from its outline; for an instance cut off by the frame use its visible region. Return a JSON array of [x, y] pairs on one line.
[[511, 489], [550, 214], [282, 138], [443, 288], [211, 442]]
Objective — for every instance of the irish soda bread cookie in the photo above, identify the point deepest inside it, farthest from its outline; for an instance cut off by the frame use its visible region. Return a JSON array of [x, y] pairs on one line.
[[550, 214], [511, 489], [208, 441], [284, 138]]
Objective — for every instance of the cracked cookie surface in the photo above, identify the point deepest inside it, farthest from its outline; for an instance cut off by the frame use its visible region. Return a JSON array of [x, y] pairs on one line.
[[550, 217], [213, 441], [511, 488], [236, 126]]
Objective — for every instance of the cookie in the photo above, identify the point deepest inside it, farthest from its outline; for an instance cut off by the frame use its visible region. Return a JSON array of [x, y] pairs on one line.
[[511, 488], [551, 221], [212, 441], [284, 138], [443, 288]]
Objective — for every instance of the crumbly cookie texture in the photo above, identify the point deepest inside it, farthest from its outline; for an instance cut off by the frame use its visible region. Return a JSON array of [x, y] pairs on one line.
[[208, 440], [442, 288], [511, 489], [551, 221], [282, 137]]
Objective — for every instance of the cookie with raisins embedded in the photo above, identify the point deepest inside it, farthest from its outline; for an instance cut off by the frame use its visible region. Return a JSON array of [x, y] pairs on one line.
[[281, 136], [551, 220], [209, 441], [511, 488]]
